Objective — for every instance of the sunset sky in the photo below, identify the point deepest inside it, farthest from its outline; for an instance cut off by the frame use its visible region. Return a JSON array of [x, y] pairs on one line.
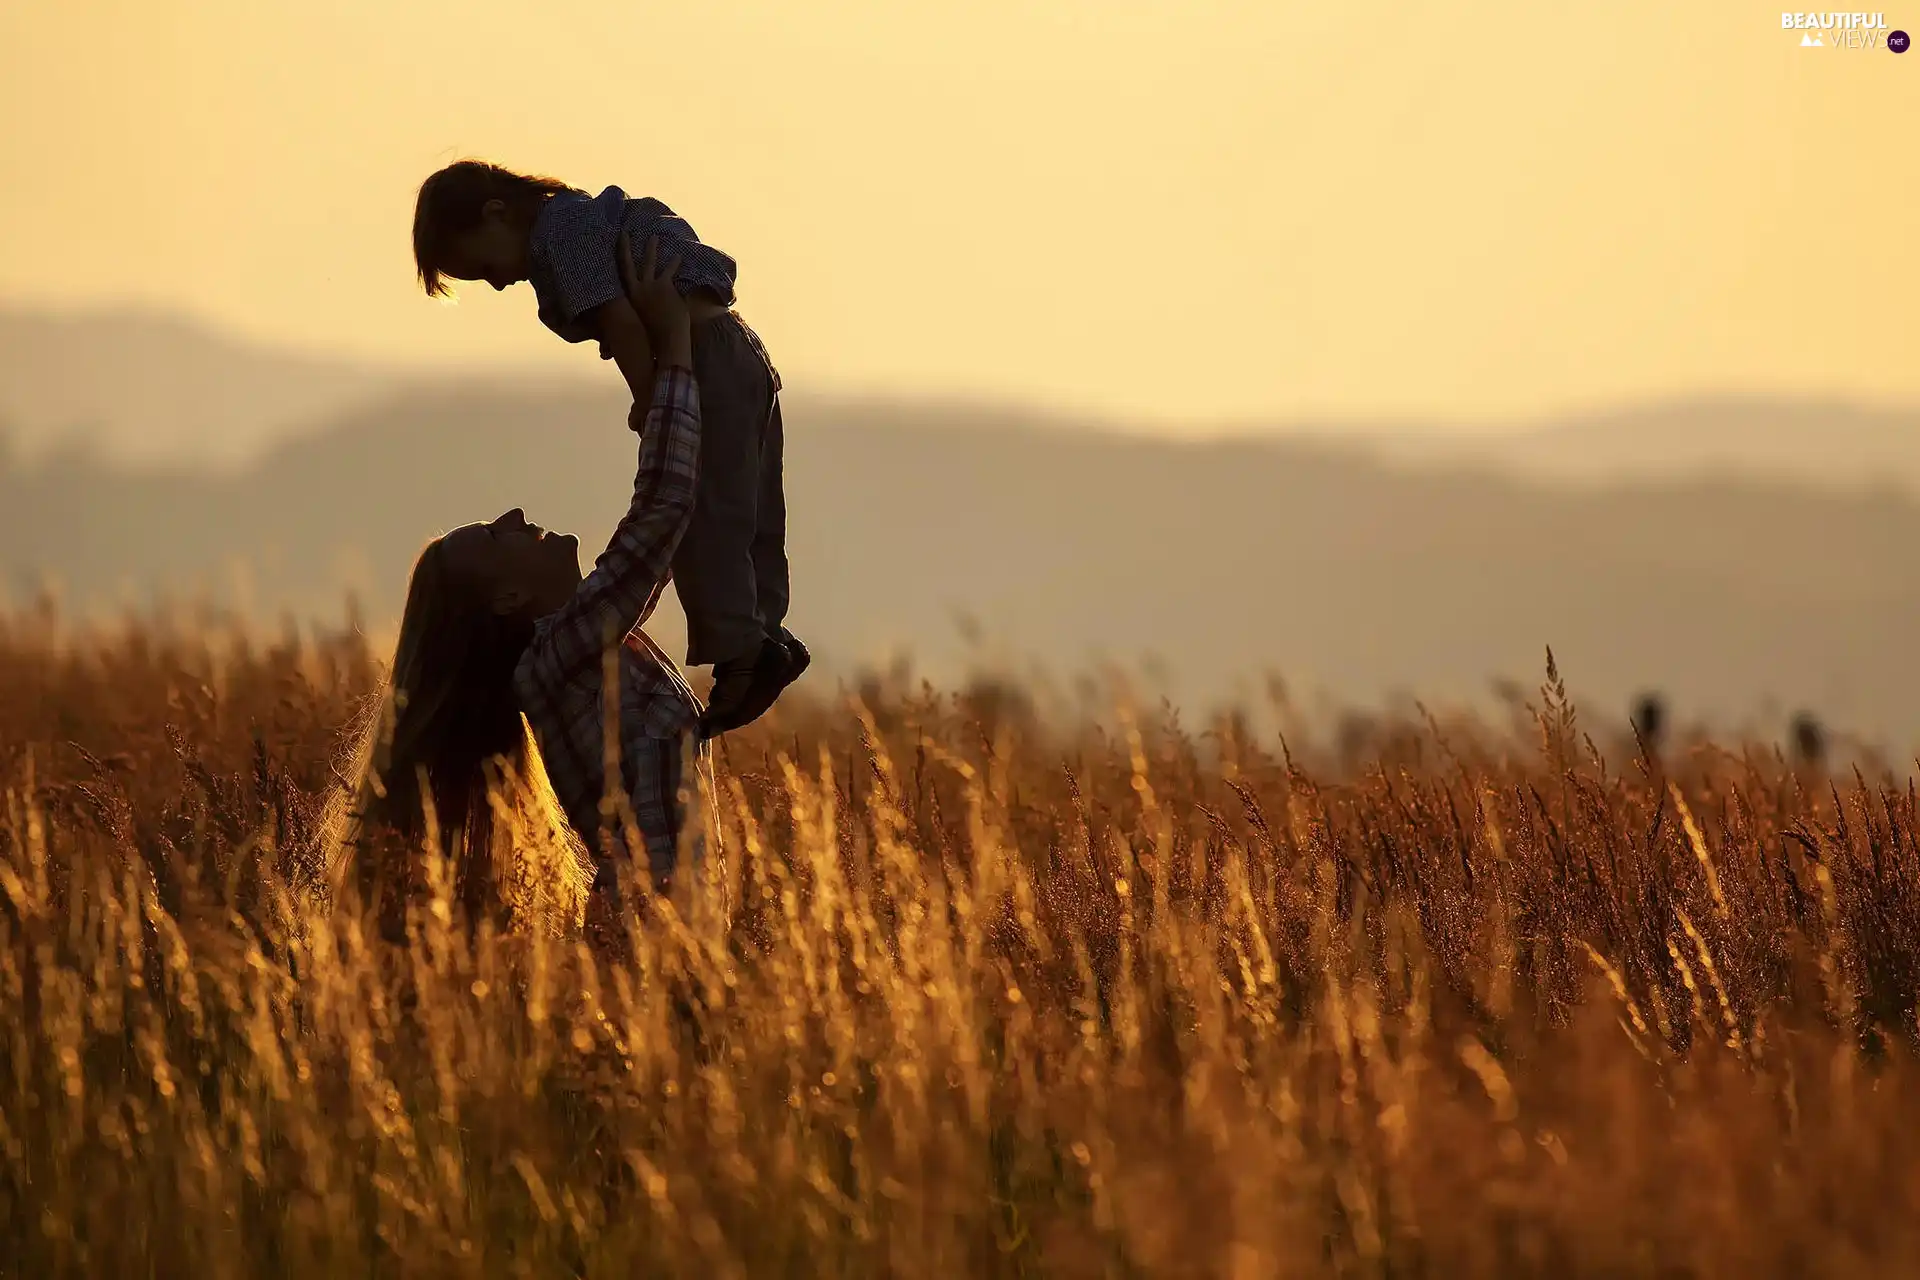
[[1180, 211]]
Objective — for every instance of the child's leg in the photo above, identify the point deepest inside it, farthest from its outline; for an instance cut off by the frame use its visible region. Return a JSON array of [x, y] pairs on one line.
[[785, 658], [770, 532], [713, 571]]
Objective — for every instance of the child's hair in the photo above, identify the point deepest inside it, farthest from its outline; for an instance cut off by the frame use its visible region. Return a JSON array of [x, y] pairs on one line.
[[450, 202]]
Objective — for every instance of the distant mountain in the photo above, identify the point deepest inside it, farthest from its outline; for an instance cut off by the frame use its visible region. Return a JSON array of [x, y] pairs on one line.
[[1740, 556], [1829, 445], [151, 387], [1224, 560]]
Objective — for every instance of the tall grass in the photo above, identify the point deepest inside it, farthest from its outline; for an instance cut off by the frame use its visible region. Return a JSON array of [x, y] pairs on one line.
[[961, 993]]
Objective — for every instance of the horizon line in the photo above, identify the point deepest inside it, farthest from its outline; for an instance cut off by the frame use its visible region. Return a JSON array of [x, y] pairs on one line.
[[1570, 411]]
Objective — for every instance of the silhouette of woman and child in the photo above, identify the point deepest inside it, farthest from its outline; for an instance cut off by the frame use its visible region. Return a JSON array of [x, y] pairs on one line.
[[511, 666], [517, 676]]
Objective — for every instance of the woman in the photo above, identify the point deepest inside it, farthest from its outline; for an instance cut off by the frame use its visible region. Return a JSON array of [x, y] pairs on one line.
[[501, 705]]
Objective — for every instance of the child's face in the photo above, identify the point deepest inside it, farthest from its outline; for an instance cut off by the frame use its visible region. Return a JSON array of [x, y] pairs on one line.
[[494, 251]]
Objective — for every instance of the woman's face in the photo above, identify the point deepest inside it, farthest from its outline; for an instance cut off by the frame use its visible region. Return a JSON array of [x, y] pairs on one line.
[[517, 567]]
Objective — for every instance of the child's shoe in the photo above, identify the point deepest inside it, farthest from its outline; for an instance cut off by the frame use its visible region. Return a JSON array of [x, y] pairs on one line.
[[733, 682], [797, 652], [779, 663]]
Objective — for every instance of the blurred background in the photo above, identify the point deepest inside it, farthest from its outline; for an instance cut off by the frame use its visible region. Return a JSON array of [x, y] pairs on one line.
[[1378, 349]]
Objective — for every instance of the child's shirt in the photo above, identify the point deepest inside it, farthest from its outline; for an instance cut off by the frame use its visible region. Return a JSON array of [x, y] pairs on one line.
[[571, 262]]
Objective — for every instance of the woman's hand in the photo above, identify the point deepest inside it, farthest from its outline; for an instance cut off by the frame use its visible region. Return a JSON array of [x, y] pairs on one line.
[[657, 301]]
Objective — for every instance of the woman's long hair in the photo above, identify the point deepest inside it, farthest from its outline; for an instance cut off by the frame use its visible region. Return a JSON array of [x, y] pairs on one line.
[[446, 759]]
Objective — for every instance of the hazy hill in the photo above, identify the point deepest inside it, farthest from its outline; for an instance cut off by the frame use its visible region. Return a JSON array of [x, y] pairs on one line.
[[150, 387], [1224, 559], [153, 387], [1829, 445]]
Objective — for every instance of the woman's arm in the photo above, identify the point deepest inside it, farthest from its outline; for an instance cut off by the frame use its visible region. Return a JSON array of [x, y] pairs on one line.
[[626, 581], [625, 584]]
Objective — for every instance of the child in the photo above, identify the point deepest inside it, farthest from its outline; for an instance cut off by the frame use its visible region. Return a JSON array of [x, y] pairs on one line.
[[478, 221]]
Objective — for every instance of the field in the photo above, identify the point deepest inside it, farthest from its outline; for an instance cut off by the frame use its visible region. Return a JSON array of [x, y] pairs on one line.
[[965, 991]]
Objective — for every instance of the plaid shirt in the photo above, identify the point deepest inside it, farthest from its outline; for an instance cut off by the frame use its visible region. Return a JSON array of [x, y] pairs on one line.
[[571, 261], [560, 678]]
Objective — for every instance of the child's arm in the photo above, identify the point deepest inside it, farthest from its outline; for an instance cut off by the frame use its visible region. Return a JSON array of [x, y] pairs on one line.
[[623, 337]]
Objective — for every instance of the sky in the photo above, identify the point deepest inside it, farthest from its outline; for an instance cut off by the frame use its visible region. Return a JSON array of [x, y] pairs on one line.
[[1181, 212]]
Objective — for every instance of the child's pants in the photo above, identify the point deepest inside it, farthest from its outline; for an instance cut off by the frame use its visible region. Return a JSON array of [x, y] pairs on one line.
[[731, 568]]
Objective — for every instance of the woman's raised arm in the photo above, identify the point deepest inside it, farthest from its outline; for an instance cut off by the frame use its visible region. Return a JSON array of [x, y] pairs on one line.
[[626, 581]]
